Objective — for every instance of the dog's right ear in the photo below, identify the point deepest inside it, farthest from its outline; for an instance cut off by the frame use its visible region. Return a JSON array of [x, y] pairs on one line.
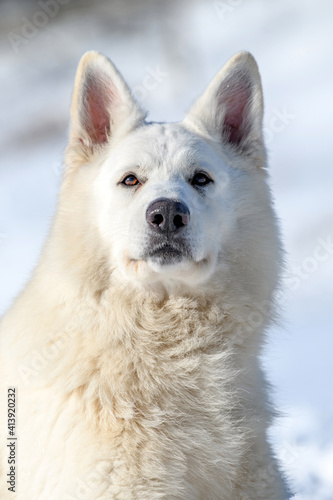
[[102, 106]]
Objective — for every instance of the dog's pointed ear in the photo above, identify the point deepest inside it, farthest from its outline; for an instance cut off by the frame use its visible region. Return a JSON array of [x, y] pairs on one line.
[[231, 109], [102, 104]]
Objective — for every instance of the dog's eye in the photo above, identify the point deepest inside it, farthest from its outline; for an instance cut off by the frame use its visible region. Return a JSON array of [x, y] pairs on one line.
[[200, 179], [130, 180]]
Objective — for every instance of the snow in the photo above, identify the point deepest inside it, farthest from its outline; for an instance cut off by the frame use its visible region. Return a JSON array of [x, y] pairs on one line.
[[184, 44]]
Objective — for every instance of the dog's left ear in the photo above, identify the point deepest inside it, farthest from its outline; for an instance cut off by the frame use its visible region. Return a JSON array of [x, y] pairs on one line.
[[102, 105], [231, 109]]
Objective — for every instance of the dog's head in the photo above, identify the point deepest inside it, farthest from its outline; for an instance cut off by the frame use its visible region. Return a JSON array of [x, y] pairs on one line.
[[171, 203]]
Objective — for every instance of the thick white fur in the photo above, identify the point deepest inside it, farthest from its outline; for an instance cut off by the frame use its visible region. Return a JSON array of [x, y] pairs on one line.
[[135, 379]]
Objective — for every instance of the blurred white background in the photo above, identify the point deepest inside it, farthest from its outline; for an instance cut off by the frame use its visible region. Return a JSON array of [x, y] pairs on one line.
[[181, 45]]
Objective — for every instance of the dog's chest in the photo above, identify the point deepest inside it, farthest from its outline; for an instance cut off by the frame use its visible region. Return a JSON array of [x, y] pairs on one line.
[[118, 433]]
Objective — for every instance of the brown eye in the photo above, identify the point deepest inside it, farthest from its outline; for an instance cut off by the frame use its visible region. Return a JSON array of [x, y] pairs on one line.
[[201, 179], [130, 180]]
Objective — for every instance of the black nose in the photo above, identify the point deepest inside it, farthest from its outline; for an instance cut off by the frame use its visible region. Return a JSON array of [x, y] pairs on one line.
[[167, 216]]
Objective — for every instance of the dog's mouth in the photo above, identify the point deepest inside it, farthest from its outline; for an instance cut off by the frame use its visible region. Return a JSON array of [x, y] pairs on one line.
[[169, 258], [167, 253]]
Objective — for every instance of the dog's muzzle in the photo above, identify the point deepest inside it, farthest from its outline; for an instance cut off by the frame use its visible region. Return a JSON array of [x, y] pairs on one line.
[[167, 219]]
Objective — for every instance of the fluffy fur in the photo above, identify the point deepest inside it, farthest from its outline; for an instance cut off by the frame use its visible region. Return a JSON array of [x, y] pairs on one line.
[[136, 371]]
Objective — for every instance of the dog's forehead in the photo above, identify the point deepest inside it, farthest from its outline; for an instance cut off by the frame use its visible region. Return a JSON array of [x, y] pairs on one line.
[[166, 137], [162, 148]]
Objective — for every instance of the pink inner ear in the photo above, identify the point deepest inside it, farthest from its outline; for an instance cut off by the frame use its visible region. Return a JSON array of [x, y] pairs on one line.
[[234, 99], [99, 119], [98, 101]]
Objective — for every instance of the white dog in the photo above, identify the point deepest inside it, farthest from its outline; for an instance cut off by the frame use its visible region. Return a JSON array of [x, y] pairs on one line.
[[130, 361]]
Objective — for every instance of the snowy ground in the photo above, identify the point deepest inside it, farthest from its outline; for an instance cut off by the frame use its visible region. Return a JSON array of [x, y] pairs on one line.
[[183, 44]]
